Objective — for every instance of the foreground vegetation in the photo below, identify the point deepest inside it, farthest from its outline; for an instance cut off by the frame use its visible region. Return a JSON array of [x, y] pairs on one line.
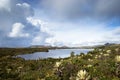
[[102, 63]]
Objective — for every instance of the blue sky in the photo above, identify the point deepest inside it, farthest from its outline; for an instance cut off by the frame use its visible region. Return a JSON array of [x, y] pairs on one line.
[[59, 22]]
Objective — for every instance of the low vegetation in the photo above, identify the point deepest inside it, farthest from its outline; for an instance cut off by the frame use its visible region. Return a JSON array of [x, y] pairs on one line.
[[103, 63], [16, 51]]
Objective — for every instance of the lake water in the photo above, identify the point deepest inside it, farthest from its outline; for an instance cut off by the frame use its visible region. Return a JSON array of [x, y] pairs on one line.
[[55, 53]]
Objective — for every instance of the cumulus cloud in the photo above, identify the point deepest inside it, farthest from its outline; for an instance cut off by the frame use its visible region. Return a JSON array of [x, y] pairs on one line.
[[40, 39], [84, 22], [75, 14], [15, 29], [16, 14], [13, 21], [43, 35]]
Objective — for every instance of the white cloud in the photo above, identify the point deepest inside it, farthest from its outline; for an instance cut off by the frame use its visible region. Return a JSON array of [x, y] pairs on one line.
[[81, 34], [17, 31], [69, 31], [5, 5], [39, 23], [36, 40], [43, 35], [17, 20], [34, 22], [39, 40], [25, 5], [16, 14], [25, 9]]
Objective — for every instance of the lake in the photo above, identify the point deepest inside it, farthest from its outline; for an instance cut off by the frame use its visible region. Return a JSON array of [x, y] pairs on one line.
[[53, 53]]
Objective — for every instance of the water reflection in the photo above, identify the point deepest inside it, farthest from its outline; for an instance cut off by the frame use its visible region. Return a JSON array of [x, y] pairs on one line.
[[57, 53]]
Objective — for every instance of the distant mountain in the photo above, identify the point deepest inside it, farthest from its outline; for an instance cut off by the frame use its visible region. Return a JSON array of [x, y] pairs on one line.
[[40, 46], [61, 47]]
